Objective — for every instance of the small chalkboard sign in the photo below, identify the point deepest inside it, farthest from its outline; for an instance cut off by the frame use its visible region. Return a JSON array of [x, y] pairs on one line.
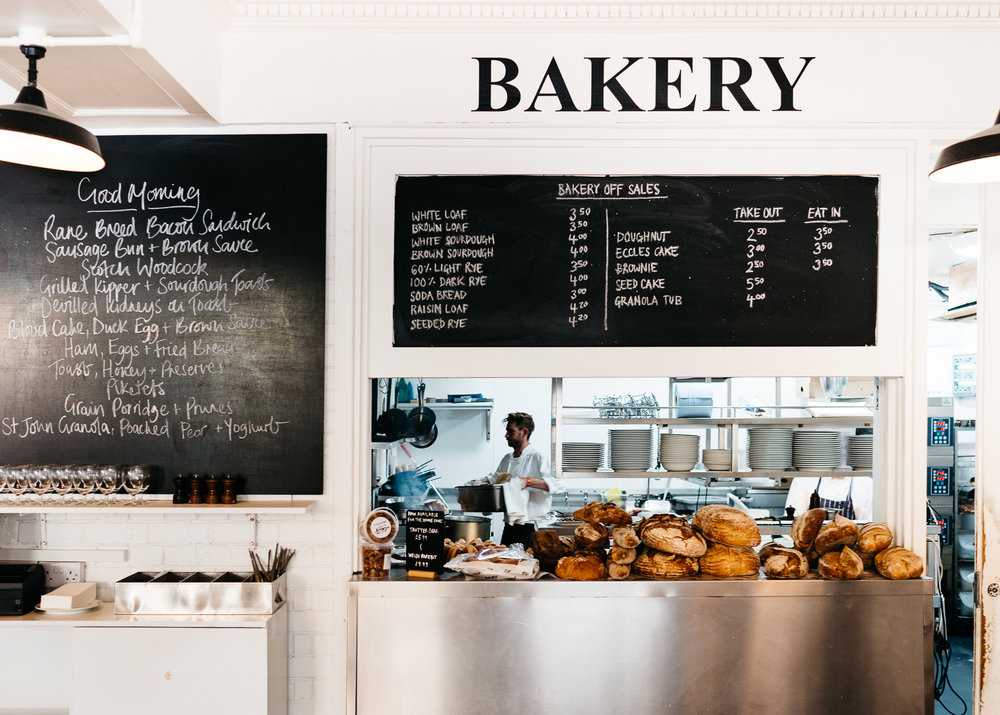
[[425, 541]]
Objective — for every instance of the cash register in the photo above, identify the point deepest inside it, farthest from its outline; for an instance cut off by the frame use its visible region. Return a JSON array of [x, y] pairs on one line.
[[21, 587]]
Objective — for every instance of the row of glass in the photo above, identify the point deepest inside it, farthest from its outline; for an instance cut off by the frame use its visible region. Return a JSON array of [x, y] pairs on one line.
[[41, 484]]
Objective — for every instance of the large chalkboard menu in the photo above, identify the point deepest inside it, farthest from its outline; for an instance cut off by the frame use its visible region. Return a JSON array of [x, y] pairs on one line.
[[635, 261], [168, 310]]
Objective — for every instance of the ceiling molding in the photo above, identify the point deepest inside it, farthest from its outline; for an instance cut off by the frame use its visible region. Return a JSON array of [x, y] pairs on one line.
[[245, 14]]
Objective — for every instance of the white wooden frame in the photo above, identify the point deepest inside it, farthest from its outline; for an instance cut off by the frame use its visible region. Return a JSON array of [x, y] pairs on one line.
[[580, 152]]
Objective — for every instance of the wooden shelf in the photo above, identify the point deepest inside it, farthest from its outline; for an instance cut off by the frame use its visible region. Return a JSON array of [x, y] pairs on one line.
[[263, 506]]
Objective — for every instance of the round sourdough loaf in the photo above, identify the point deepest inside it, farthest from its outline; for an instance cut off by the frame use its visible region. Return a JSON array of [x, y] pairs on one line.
[[723, 524], [765, 551], [656, 564], [672, 536], [840, 565], [786, 563], [603, 513], [724, 560], [874, 537], [591, 536], [898, 563]]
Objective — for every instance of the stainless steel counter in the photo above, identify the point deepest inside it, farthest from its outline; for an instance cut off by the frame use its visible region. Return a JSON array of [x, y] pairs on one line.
[[698, 645]]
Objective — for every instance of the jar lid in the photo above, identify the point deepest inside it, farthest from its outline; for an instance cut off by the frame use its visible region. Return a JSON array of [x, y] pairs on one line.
[[380, 526]]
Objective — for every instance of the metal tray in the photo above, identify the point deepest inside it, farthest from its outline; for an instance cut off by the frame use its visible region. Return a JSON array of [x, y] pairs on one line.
[[197, 593]]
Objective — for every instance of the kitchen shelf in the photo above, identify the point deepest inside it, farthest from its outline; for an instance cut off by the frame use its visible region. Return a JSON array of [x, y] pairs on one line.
[[711, 476], [263, 506], [745, 422], [457, 407]]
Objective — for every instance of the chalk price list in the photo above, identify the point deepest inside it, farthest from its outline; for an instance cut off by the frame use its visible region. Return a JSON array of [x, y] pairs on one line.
[[578, 245], [448, 264], [142, 303]]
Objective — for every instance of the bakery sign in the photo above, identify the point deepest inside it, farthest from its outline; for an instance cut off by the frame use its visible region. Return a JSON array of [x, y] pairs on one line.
[[731, 84]]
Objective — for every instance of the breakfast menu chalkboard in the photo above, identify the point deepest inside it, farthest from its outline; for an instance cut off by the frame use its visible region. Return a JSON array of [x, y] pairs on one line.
[[635, 261], [168, 310]]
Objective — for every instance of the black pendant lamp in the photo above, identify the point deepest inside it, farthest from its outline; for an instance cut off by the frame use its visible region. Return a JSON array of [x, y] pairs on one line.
[[31, 134], [973, 160]]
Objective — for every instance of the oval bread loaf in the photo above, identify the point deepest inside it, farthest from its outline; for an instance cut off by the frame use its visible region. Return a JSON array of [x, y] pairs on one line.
[[656, 564], [674, 537], [618, 571], [581, 567], [625, 536], [622, 556], [805, 527], [786, 563], [723, 524], [834, 534], [598, 512], [724, 560], [591, 536], [840, 565], [898, 563]]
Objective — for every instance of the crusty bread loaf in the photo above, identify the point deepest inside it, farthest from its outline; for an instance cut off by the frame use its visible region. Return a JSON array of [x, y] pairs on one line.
[[548, 547], [618, 571], [724, 560], [874, 537], [591, 536], [622, 556], [805, 527], [867, 558], [834, 534], [786, 563], [674, 536], [843, 564], [898, 563], [581, 567], [603, 513], [765, 551], [656, 564], [625, 536], [723, 524]]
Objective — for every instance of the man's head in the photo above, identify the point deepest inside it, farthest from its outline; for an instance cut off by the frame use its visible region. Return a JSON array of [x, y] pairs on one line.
[[520, 425]]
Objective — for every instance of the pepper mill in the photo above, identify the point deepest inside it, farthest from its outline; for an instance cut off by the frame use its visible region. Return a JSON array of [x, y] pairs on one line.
[[228, 489], [180, 490], [196, 490], [212, 484]]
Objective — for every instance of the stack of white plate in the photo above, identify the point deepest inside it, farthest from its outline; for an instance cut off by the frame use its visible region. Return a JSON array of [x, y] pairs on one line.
[[629, 448], [717, 460], [816, 450], [769, 447], [678, 452], [582, 456], [859, 451]]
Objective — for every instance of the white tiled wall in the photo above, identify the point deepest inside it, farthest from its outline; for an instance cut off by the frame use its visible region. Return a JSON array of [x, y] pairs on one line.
[[155, 542]]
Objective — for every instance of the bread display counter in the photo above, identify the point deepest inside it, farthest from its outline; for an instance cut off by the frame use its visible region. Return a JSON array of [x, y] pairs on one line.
[[681, 608], [697, 644]]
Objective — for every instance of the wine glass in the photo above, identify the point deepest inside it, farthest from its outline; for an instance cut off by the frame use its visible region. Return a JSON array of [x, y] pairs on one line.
[[4, 472], [136, 482], [108, 482], [85, 481], [62, 482], [41, 477], [18, 479]]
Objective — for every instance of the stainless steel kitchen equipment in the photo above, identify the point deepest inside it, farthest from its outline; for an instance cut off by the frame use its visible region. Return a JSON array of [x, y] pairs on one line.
[[169, 592], [467, 526], [481, 497]]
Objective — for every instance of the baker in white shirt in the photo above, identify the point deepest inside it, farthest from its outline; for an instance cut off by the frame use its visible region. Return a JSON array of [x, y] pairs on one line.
[[530, 473], [848, 496]]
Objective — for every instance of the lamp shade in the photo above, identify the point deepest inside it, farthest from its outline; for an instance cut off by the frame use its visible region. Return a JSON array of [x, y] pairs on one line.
[[973, 160], [35, 136]]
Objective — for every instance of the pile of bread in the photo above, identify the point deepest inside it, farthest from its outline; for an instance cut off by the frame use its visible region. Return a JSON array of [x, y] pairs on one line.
[[603, 546], [839, 549], [454, 548], [719, 541]]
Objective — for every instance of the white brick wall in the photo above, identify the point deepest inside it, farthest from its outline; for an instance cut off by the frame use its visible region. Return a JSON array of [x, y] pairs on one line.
[[155, 542]]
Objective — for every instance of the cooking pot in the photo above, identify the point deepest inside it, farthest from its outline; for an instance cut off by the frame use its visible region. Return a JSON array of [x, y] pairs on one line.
[[481, 497], [468, 527]]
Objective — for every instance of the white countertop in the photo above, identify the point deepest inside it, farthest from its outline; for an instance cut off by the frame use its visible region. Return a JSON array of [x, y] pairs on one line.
[[105, 617]]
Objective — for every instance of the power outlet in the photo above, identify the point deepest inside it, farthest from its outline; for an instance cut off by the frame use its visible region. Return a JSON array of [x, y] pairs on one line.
[[59, 572]]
